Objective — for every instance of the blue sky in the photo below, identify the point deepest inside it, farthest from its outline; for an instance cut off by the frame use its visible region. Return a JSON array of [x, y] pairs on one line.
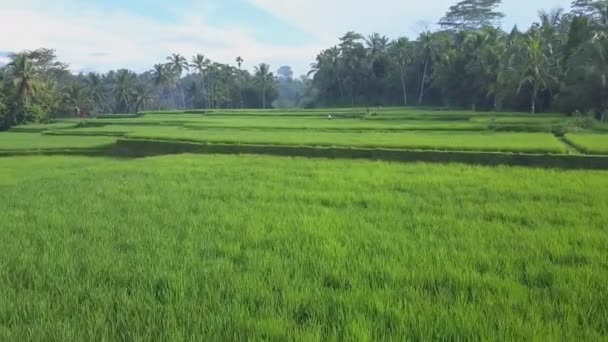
[[106, 34]]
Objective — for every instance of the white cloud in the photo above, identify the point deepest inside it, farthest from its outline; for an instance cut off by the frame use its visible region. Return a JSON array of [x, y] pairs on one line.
[[329, 19], [94, 39]]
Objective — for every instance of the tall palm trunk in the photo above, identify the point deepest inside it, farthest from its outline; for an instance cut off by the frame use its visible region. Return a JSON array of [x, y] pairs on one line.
[[211, 95], [403, 84], [264, 95], [181, 89], [340, 85], [203, 86], [534, 91], [241, 92], [604, 98], [426, 65]]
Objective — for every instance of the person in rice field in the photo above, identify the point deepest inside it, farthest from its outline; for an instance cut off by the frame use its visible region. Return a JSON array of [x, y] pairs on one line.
[[77, 111]]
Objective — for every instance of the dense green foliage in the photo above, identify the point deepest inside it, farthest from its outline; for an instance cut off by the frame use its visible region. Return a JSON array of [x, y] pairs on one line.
[[558, 64], [204, 248]]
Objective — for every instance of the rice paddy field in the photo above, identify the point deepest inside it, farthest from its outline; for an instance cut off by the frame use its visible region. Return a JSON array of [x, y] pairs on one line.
[[590, 143], [248, 247]]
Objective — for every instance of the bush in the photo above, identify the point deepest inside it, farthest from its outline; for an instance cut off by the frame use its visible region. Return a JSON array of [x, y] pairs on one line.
[[31, 113]]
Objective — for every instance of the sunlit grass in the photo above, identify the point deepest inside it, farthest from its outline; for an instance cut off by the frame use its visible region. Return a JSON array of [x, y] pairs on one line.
[[36, 141], [589, 143], [243, 247], [453, 141]]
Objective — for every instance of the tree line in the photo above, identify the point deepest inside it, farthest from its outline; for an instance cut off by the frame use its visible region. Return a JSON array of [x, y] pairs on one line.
[[35, 85], [559, 64]]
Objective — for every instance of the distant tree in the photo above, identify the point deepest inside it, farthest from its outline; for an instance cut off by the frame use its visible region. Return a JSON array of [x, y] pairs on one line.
[[96, 90], [199, 65], [264, 77], [178, 64], [239, 62], [285, 72], [533, 66], [162, 78], [402, 51], [24, 78], [472, 15], [124, 90], [143, 97], [77, 96], [429, 50]]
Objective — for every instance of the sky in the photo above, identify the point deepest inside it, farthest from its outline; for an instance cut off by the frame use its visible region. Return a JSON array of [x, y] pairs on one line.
[[99, 35]]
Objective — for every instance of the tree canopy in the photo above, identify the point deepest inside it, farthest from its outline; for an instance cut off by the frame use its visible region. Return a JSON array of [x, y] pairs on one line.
[[558, 64]]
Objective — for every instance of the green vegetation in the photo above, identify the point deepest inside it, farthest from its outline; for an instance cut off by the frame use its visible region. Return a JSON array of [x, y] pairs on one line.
[[35, 141], [137, 245], [558, 64], [508, 142], [205, 248], [589, 143]]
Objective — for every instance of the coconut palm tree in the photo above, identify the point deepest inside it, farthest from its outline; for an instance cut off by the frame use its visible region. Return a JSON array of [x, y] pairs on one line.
[[124, 90], [239, 62], [427, 46], [143, 97], [161, 76], [178, 64], [533, 66], [263, 77], [376, 47], [402, 52], [597, 66], [77, 95], [96, 90], [24, 77], [199, 65]]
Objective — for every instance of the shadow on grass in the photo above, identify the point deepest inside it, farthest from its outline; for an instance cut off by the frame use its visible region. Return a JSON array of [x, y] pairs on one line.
[[142, 148]]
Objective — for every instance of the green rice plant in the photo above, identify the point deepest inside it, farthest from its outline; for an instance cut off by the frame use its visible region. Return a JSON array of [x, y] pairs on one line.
[[452, 141], [591, 143], [36, 141], [267, 248], [33, 128]]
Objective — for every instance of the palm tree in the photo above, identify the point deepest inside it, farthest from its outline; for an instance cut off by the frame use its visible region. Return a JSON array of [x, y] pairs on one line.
[[239, 62], [178, 64], [24, 78], [199, 65], [597, 66], [376, 47], [78, 96], [143, 97], [402, 52], [96, 90], [428, 48], [263, 76], [161, 76], [533, 66], [124, 90]]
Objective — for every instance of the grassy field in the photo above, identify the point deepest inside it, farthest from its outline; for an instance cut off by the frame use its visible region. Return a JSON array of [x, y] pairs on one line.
[[268, 248], [508, 142], [589, 143], [36, 141]]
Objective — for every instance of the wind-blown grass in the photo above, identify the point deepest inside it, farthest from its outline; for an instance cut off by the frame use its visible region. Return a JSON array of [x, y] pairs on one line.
[[452, 141], [589, 143], [36, 141], [264, 248]]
